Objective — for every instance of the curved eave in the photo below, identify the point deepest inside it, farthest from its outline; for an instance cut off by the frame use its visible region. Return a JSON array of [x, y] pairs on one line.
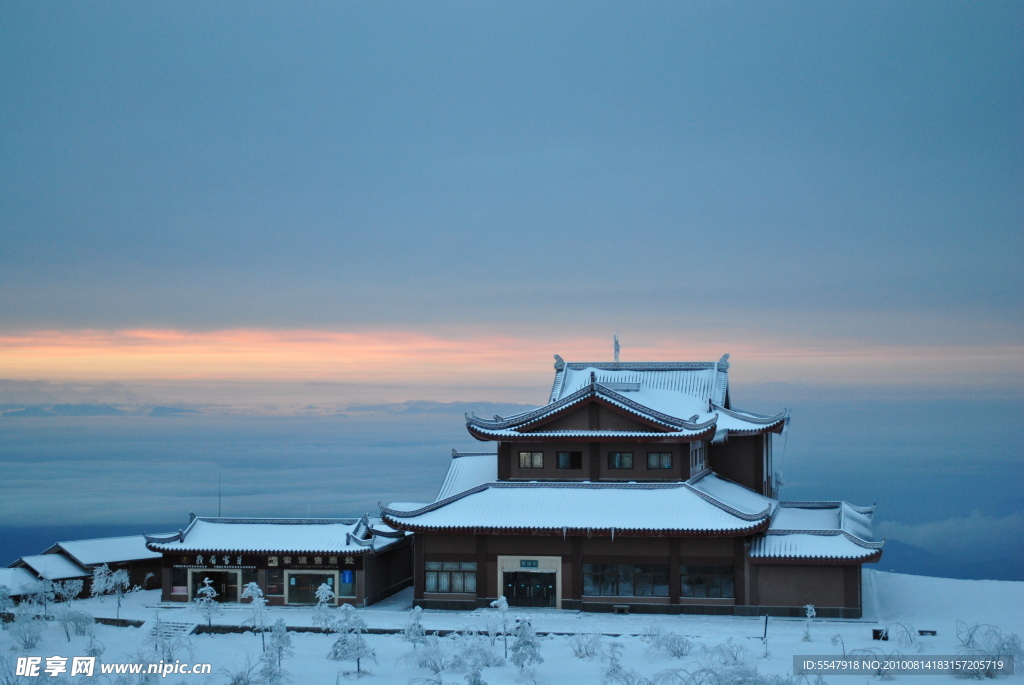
[[578, 532], [224, 550], [594, 392], [507, 435], [761, 430], [868, 558]]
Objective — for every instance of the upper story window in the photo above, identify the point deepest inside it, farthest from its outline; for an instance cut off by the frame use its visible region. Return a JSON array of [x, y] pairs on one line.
[[620, 460], [696, 457], [570, 460], [531, 460], [659, 460]]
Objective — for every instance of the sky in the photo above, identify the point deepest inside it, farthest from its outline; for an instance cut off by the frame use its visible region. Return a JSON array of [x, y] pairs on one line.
[[267, 207]]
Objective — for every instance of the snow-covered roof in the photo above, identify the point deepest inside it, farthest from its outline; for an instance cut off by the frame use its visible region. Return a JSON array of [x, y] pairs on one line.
[[593, 508], [685, 400], [17, 580], [329, 536], [468, 470], [52, 566], [819, 530], [106, 550]]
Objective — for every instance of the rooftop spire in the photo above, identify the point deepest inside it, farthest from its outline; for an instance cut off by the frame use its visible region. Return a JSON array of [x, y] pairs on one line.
[[616, 339]]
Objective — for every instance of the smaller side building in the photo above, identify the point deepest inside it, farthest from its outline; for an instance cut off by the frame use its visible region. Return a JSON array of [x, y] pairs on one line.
[[127, 552], [362, 560], [77, 559]]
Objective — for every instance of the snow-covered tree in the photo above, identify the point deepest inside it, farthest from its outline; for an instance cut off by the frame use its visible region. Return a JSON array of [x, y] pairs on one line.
[[525, 649], [810, 613], [351, 645], [68, 590], [279, 647], [107, 582], [501, 604], [322, 615], [257, 611], [120, 586], [348, 620], [206, 603], [100, 581], [413, 632], [39, 594], [6, 603]]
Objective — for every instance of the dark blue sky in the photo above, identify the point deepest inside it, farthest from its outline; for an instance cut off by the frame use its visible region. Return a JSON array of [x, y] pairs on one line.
[[837, 170]]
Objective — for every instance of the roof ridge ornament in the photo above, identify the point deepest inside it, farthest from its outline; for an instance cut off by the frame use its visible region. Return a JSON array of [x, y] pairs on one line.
[[615, 338], [723, 364], [559, 363]]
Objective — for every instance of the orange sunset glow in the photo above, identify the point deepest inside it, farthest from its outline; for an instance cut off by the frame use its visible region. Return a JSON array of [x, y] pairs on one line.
[[421, 359]]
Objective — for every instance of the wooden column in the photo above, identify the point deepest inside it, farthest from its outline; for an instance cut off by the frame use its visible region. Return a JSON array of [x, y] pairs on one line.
[[483, 578], [417, 566], [504, 460], [673, 570]]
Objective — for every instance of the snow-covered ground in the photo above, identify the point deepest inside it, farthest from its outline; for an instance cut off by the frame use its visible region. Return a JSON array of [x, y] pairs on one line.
[[919, 603]]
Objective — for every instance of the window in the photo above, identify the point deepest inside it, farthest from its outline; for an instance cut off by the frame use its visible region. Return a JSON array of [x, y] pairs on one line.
[[659, 460], [275, 582], [531, 460], [696, 457], [706, 581], [625, 580], [450, 576], [570, 460], [620, 460]]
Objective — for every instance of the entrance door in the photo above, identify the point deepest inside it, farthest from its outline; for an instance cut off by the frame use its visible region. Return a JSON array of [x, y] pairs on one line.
[[526, 589], [224, 582], [302, 587]]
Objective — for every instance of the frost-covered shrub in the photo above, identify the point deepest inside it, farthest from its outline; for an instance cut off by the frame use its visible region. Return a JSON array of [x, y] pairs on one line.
[[438, 655], [474, 653], [413, 632], [244, 673], [673, 643], [525, 649], [74, 621], [988, 641], [27, 631], [903, 634], [726, 654], [586, 645], [95, 648], [615, 674]]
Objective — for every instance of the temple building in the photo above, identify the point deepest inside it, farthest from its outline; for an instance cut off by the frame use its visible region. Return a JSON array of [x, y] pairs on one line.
[[637, 487], [361, 560]]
